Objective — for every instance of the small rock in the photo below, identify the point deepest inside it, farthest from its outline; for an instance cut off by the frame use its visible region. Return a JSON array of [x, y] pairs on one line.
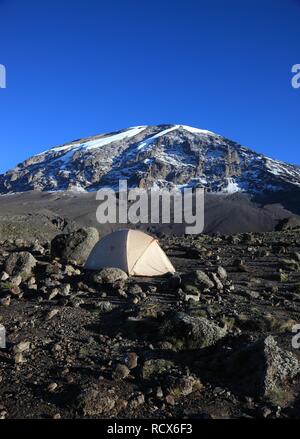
[[252, 294], [65, 290], [53, 293], [16, 280], [136, 401], [52, 314], [105, 306], [297, 256], [19, 358], [4, 276], [131, 360], [3, 414], [5, 301], [38, 248], [159, 393], [52, 387], [182, 386], [135, 289], [170, 400], [121, 372], [266, 411], [190, 297], [222, 273], [57, 416], [23, 346], [31, 282], [16, 291], [217, 281]]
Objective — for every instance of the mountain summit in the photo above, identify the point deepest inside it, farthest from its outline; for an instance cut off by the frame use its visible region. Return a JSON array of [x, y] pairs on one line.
[[146, 156]]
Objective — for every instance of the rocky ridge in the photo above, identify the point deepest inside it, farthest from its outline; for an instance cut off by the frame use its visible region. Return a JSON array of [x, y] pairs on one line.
[[153, 156]]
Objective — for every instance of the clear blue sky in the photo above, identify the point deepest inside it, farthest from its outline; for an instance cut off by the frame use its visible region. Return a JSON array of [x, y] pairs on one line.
[[81, 67]]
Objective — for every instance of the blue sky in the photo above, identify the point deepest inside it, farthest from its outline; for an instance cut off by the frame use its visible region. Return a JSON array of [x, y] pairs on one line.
[[82, 67]]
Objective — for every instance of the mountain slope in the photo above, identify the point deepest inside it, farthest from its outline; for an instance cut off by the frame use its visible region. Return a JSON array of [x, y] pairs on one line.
[[146, 156]]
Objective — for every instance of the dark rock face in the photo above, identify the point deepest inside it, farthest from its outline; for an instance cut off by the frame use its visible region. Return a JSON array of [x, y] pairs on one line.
[[164, 155], [75, 246]]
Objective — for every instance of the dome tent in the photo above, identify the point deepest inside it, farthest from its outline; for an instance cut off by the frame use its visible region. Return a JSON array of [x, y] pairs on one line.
[[133, 251]]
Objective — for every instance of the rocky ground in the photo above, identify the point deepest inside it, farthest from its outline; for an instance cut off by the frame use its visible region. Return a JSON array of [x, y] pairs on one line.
[[213, 341]]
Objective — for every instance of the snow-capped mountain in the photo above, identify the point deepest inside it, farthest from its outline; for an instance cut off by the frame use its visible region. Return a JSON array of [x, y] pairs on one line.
[[147, 156]]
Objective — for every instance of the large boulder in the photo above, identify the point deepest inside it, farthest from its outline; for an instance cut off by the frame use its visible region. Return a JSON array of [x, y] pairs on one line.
[[188, 332], [75, 246], [20, 264], [262, 368]]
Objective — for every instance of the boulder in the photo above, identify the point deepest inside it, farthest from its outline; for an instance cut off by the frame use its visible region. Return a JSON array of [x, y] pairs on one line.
[[92, 401], [121, 372], [155, 367], [20, 264], [188, 332], [131, 360], [110, 275], [135, 290], [75, 246], [217, 281], [105, 306], [202, 280], [181, 386], [261, 368], [222, 273]]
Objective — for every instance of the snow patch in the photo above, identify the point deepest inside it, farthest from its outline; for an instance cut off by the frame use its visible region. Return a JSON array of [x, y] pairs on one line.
[[132, 132], [77, 188], [144, 145], [97, 143], [196, 130], [232, 187]]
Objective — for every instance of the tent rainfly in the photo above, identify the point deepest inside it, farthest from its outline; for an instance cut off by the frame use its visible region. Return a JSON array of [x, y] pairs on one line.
[[132, 251]]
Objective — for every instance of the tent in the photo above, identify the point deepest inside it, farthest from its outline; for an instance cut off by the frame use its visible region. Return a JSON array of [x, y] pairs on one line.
[[133, 251]]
